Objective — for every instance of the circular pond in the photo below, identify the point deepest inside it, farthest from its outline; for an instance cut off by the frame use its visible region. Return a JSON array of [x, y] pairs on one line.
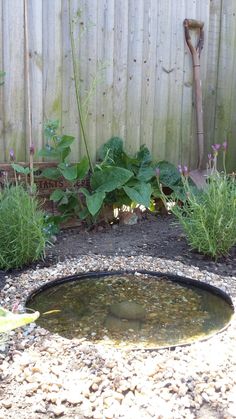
[[132, 309]]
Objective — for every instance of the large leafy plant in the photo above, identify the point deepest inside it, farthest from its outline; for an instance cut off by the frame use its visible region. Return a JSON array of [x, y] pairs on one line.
[[120, 179], [58, 148], [117, 178]]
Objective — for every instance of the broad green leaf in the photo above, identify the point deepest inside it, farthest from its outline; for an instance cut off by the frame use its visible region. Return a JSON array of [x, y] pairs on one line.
[[49, 152], [57, 195], [65, 153], [69, 172], [20, 169], [141, 193], [145, 174], [83, 214], [115, 148], [66, 141], [84, 191], [51, 173], [95, 201], [64, 200], [144, 156], [110, 178], [10, 321], [82, 168], [169, 174]]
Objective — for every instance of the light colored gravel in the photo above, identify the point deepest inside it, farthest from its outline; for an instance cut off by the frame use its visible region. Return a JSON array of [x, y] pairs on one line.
[[44, 375]]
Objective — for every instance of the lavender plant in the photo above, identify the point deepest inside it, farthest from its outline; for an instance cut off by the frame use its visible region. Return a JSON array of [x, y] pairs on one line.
[[23, 239], [208, 216]]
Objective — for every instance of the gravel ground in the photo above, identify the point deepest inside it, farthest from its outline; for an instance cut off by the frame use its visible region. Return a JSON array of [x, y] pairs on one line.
[[44, 375]]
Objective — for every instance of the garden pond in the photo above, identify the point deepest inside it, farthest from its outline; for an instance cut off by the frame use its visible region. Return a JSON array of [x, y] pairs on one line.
[[132, 310]]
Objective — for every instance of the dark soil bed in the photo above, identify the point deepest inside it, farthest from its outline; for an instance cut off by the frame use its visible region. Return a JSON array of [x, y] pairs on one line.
[[156, 236]]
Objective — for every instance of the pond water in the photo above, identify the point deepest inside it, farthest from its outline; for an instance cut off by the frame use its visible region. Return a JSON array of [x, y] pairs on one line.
[[131, 311]]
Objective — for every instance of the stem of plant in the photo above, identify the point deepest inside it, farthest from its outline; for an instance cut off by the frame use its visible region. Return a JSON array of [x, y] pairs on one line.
[[81, 120]]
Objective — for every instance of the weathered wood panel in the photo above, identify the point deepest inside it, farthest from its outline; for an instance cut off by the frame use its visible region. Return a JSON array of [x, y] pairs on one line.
[[145, 94], [226, 84], [13, 89], [2, 133], [35, 29]]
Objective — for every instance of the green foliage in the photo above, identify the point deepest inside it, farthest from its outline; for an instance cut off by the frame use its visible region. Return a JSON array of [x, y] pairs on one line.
[[208, 217], [59, 148], [110, 178], [117, 179], [138, 188], [94, 201], [10, 321], [139, 193], [20, 169], [169, 174], [21, 229]]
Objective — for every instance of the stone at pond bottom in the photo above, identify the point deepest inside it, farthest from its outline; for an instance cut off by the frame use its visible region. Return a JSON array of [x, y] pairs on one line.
[[128, 310], [117, 325]]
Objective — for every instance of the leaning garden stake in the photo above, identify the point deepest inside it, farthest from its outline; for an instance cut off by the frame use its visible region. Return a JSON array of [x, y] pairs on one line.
[[196, 52]]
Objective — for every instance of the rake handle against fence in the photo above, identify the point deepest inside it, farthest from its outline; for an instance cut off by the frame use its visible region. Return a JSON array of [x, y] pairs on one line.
[[196, 52]]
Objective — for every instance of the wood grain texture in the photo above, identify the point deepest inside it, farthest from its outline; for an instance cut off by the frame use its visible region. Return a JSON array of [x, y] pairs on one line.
[[105, 48], [13, 91], [225, 97], [134, 75], [146, 94], [119, 127], [2, 133], [52, 59], [35, 31]]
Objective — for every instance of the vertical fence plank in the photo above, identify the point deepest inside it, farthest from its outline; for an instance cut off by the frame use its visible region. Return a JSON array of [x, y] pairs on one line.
[[89, 76], [120, 68], [36, 69], [52, 59], [231, 130], [148, 72], [13, 57], [175, 82], [69, 117], [105, 48], [2, 133], [134, 80], [226, 74], [92, 76], [163, 72]]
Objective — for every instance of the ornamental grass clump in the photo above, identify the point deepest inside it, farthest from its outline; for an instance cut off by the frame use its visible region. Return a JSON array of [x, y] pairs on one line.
[[208, 216], [22, 237]]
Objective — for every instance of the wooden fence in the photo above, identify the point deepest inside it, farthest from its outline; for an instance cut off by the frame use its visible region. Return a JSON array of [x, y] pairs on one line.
[[145, 94]]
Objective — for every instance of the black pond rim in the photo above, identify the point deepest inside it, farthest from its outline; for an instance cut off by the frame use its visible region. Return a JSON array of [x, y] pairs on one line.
[[185, 281]]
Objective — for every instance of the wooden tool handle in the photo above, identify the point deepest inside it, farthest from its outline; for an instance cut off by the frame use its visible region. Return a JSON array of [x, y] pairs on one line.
[[193, 24]]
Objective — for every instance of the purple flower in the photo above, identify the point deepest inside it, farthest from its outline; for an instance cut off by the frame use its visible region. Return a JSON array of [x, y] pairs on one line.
[[225, 145], [157, 170], [32, 149], [185, 170], [12, 154], [216, 148], [180, 169]]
